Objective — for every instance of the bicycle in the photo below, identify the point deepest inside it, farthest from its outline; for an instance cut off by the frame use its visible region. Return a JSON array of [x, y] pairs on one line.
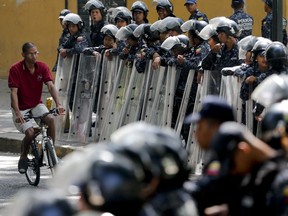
[[44, 156]]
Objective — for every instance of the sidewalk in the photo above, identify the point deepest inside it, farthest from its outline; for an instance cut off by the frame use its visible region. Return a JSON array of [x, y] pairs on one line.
[[10, 138]]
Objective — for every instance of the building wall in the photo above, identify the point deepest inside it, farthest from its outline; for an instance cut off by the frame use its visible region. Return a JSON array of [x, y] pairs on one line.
[[37, 21], [30, 20]]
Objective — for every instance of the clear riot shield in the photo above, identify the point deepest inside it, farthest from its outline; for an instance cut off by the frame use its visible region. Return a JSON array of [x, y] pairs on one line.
[[63, 82], [108, 76], [170, 88], [133, 99], [184, 102], [196, 154], [156, 113], [214, 82], [86, 85], [230, 90], [150, 87], [116, 102], [249, 111]]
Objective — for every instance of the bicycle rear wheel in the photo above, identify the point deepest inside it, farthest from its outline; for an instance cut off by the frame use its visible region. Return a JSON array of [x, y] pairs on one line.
[[51, 155], [33, 172]]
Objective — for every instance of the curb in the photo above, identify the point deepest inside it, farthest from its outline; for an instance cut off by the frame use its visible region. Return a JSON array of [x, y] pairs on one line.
[[14, 146]]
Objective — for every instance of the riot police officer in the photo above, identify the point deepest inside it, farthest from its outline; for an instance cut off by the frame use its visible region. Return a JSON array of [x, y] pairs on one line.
[[122, 16], [132, 44], [150, 47], [161, 149], [109, 41], [106, 181], [224, 54], [244, 20], [266, 27], [276, 56], [97, 13], [76, 44], [65, 33], [164, 8], [259, 167], [258, 72], [139, 12], [77, 40], [169, 26], [191, 6]]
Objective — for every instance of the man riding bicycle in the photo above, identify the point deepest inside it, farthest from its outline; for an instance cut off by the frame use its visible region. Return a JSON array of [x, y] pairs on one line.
[[26, 80]]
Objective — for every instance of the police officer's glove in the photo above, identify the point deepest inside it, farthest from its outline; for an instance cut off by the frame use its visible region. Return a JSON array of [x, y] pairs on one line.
[[88, 51]]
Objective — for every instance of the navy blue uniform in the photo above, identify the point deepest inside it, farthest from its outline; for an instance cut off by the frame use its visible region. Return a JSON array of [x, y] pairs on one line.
[[146, 54], [266, 28], [244, 21], [63, 38], [257, 191], [131, 55], [198, 15], [225, 58], [96, 36]]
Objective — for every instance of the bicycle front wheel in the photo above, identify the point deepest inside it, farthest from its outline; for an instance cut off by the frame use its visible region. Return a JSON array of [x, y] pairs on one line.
[[51, 156], [33, 172]]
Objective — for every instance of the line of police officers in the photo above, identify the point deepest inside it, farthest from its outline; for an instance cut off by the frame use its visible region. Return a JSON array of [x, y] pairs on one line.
[[143, 169]]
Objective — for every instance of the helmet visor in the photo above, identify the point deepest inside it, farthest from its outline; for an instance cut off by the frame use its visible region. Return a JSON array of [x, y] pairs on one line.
[[271, 90], [170, 42], [123, 33]]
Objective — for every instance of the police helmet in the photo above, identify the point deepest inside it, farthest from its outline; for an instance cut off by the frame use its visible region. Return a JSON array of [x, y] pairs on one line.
[[184, 40], [194, 27], [229, 27], [73, 18], [140, 6], [260, 47], [166, 4], [275, 124], [163, 146], [272, 90], [95, 4], [63, 13], [170, 23], [145, 31], [108, 181], [109, 30], [126, 32], [277, 55], [40, 203], [268, 2], [180, 42], [122, 13], [115, 184]]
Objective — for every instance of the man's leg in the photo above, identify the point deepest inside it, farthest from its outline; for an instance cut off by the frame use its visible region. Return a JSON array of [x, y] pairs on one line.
[[49, 120], [27, 129], [25, 146]]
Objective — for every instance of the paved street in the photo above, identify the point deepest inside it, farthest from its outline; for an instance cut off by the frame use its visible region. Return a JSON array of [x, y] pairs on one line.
[[12, 182]]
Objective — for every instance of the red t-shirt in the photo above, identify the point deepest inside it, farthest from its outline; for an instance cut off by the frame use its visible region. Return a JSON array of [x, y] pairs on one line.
[[29, 85]]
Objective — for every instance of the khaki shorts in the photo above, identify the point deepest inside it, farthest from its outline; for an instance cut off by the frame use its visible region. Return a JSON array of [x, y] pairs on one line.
[[37, 111]]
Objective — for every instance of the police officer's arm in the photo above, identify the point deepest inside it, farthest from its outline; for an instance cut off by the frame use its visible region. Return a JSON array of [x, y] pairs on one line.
[[81, 44], [15, 106], [53, 92]]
